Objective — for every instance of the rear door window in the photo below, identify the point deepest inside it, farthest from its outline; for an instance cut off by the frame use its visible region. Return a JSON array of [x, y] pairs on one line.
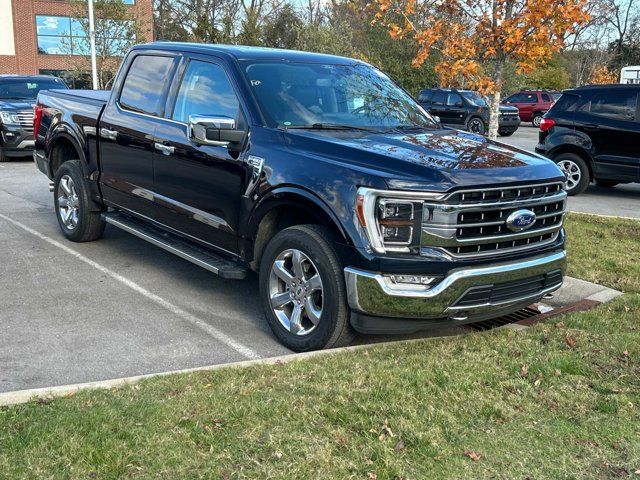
[[438, 98], [619, 104], [145, 86], [545, 97]]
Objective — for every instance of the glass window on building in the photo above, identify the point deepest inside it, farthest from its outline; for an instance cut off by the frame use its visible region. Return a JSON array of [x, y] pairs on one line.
[[67, 36]]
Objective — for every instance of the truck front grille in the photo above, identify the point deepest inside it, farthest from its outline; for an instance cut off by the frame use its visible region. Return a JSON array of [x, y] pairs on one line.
[[25, 118], [473, 223]]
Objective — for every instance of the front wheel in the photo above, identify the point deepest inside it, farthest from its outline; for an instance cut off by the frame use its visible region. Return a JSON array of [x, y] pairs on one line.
[[476, 125], [75, 210], [303, 289], [576, 172], [3, 157]]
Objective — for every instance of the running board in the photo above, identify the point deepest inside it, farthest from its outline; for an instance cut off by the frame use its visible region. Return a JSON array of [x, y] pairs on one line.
[[201, 256]]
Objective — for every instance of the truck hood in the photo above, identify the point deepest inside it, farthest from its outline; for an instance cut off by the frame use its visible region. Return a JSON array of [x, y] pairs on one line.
[[17, 104], [429, 160], [508, 109]]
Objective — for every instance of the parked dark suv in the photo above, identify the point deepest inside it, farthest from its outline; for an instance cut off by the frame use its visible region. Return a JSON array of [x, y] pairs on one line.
[[532, 104], [593, 134], [17, 95], [467, 110]]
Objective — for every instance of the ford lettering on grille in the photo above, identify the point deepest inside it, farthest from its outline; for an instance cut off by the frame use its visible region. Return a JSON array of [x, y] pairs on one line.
[[520, 220]]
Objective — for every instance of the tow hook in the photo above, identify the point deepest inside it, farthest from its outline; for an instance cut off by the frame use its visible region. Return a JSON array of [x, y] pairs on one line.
[[51, 186]]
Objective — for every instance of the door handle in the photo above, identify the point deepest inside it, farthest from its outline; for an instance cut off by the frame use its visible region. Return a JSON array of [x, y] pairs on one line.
[[108, 134], [165, 149], [591, 127]]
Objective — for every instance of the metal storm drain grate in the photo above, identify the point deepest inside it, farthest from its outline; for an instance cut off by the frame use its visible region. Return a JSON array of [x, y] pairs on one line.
[[523, 314]]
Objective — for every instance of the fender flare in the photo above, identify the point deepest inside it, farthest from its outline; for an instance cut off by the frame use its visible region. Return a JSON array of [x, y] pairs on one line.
[[283, 196], [63, 131]]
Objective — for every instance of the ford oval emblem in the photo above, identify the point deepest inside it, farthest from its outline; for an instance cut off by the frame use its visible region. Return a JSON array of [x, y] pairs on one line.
[[521, 220]]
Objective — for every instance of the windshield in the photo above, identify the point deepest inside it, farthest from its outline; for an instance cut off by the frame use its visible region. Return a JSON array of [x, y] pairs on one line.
[[352, 96], [474, 98], [27, 88]]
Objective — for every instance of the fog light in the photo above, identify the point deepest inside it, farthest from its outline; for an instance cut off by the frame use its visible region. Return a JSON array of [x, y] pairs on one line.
[[413, 279]]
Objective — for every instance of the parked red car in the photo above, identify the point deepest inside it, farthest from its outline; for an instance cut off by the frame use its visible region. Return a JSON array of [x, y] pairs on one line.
[[532, 104]]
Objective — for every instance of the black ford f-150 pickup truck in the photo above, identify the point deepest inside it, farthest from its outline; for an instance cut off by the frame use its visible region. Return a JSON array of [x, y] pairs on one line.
[[357, 210]]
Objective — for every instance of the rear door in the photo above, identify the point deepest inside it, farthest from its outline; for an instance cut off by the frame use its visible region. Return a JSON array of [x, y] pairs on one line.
[[199, 187], [525, 102], [609, 116], [127, 128], [438, 106]]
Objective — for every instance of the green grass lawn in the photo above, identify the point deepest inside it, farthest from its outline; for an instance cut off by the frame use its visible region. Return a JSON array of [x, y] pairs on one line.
[[560, 400]]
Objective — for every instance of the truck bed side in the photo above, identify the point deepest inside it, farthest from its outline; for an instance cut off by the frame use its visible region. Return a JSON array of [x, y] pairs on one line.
[[69, 128]]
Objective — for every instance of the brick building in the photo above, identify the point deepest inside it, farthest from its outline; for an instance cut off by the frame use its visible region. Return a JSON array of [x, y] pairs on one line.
[[36, 36]]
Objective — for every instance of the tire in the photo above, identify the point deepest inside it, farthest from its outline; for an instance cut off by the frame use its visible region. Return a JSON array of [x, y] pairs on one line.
[[536, 119], [576, 170], [606, 183], [317, 256], [506, 134], [476, 125], [3, 157], [78, 220]]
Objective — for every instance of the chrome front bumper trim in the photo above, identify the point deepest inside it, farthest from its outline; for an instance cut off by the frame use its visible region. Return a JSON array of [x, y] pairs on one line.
[[374, 294]]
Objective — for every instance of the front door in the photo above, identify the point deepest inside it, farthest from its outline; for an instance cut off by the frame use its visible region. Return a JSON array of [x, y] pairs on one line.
[[455, 110], [127, 129], [200, 186]]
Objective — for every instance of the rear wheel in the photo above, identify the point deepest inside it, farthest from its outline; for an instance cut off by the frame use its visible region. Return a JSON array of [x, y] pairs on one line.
[[575, 170], [75, 210], [476, 125], [536, 119], [506, 133], [303, 289], [606, 183]]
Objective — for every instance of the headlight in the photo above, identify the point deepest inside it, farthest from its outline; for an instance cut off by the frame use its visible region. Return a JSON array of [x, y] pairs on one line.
[[9, 118], [391, 219]]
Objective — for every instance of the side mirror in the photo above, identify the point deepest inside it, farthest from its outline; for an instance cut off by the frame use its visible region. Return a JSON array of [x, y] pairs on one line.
[[220, 131]]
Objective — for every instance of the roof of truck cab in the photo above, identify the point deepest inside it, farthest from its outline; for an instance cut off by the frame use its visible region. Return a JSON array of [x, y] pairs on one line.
[[241, 52]]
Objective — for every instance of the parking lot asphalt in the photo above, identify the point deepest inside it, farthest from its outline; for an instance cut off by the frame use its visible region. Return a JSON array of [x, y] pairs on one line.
[[622, 200]]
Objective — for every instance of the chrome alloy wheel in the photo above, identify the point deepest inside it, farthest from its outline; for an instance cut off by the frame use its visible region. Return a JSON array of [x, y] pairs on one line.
[[295, 292], [68, 202], [571, 172]]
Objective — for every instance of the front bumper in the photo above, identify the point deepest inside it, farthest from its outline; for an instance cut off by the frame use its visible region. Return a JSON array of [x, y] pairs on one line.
[[16, 141], [463, 296]]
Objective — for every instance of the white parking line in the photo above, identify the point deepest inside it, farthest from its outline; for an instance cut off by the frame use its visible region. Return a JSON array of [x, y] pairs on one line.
[[214, 332]]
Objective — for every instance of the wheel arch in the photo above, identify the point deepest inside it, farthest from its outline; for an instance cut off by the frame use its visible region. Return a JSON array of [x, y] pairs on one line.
[[576, 150], [64, 147], [285, 208]]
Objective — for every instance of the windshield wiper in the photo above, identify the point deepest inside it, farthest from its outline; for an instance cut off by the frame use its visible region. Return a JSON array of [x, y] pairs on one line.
[[331, 126]]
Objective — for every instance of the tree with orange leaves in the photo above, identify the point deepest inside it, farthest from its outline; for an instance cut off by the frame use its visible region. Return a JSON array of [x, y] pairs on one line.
[[474, 39], [601, 75]]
